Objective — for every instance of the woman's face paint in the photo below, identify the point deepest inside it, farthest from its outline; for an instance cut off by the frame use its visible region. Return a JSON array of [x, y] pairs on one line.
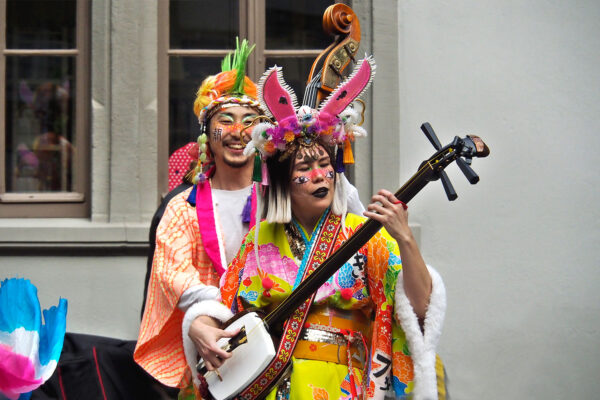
[[312, 188], [312, 174]]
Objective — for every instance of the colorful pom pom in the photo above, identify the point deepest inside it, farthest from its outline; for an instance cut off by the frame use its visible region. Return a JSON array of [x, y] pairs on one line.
[[346, 293], [267, 283]]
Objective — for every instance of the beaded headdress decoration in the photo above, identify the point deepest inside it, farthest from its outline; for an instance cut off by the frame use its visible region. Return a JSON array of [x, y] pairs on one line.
[[231, 87]]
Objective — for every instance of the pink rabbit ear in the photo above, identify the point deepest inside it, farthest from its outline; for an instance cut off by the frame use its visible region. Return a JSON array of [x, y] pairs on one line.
[[275, 95], [351, 88]]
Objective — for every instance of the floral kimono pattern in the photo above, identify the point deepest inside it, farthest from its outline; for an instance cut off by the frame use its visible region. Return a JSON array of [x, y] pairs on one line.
[[366, 284]]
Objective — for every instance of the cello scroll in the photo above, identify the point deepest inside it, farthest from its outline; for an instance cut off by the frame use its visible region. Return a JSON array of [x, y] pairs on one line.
[[338, 20]]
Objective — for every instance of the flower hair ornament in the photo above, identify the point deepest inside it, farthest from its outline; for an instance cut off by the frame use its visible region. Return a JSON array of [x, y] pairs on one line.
[[335, 123], [231, 87]]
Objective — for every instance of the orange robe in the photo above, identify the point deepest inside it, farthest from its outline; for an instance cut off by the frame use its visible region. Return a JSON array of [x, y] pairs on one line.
[[180, 262]]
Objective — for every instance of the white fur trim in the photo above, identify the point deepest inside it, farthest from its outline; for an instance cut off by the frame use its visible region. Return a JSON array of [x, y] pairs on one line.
[[211, 308], [261, 84], [422, 345], [196, 294]]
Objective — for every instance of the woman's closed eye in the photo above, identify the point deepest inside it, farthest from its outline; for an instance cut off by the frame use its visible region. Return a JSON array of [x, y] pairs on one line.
[[301, 179]]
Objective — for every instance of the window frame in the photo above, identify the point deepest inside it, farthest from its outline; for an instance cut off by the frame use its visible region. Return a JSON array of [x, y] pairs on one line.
[[252, 26], [75, 203]]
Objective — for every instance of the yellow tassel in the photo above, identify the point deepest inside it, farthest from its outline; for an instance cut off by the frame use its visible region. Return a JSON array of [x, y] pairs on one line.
[[440, 373], [348, 157]]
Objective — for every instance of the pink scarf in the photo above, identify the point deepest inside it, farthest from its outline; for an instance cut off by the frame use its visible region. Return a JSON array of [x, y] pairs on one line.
[[206, 222]]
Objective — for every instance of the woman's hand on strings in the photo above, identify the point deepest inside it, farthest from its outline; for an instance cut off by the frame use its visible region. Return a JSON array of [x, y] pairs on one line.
[[392, 214], [205, 332]]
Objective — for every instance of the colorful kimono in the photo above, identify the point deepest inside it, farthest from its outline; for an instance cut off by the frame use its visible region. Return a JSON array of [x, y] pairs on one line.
[[182, 260], [401, 359]]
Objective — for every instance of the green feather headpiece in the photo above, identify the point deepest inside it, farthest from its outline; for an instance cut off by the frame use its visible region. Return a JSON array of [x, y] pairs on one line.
[[237, 61]]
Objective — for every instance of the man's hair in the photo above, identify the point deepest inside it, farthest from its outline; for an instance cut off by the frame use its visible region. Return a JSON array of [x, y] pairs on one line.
[[218, 85]]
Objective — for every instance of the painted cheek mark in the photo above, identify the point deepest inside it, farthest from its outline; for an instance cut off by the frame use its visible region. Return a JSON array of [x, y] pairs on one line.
[[237, 127], [324, 172], [217, 134], [312, 174], [231, 128]]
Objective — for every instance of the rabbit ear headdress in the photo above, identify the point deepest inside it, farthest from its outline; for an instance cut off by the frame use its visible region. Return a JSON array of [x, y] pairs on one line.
[[336, 121]]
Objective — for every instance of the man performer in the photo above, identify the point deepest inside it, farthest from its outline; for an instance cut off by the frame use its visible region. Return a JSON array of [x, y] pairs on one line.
[[203, 226]]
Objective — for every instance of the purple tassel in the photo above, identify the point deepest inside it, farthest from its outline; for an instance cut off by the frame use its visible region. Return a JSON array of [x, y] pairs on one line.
[[247, 210], [339, 160]]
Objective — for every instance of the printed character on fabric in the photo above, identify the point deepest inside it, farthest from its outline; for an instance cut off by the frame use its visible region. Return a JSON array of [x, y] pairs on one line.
[[364, 284]]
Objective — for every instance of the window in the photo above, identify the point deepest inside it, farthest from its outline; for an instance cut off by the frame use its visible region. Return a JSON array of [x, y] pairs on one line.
[[44, 115], [200, 33]]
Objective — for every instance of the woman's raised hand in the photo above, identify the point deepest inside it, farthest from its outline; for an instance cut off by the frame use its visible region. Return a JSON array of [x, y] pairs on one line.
[[392, 213]]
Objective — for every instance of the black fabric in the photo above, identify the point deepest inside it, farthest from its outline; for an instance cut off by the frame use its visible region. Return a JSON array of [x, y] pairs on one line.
[[152, 235], [97, 368]]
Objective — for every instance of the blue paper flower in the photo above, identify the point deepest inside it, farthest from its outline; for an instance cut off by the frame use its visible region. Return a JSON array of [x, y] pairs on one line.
[[29, 351]]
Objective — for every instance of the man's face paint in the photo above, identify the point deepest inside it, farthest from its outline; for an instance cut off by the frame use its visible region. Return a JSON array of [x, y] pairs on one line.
[[217, 134], [226, 124], [225, 143], [310, 175]]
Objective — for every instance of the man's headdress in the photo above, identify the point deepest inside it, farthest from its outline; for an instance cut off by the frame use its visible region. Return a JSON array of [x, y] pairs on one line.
[[230, 87]]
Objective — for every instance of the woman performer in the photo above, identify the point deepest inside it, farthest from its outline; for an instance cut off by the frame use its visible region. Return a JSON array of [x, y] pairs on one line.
[[372, 327]]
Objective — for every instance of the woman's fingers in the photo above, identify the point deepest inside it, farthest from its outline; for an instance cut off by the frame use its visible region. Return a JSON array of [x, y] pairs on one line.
[[391, 213]]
